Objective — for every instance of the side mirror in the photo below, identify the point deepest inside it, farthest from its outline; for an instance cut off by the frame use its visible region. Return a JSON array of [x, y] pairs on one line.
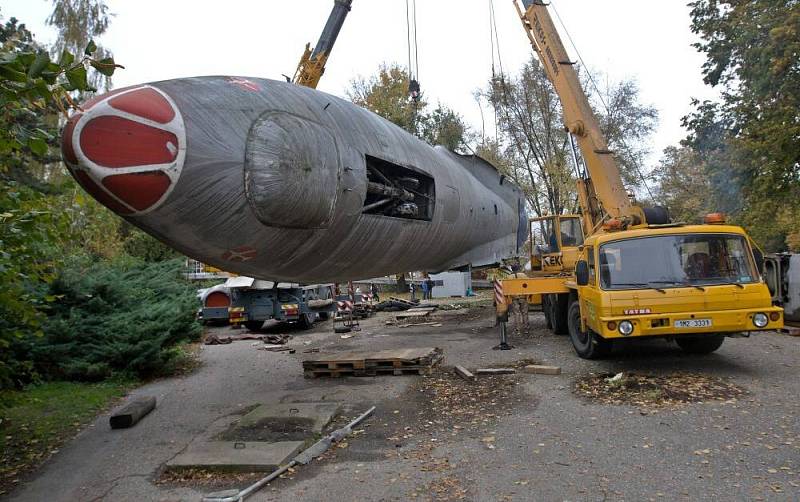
[[582, 273]]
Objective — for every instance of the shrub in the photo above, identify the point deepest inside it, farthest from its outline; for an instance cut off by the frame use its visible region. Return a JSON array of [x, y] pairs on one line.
[[121, 316]]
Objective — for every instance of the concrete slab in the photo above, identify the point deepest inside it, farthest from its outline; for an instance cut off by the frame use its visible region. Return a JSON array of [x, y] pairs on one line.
[[235, 456], [313, 416]]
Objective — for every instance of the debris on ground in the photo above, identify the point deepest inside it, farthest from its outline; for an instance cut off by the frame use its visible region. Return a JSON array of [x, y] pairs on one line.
[[214, 339], [395, 305], [455, 405], [276, 339], [277, 348], [432, 324], [451, 306], [415, 313], [495, 371], [196, 478], [463, 372], [655, 390], [541, 369]]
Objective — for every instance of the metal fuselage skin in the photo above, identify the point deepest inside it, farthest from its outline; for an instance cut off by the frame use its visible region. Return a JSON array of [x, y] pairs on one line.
[[270, 180], [729, 307]]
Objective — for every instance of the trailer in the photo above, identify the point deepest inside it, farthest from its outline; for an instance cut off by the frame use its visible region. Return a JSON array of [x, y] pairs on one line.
[[216, 301], [261, 301]]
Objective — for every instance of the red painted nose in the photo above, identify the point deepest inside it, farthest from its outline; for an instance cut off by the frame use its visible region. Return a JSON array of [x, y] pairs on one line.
[[126, 148]]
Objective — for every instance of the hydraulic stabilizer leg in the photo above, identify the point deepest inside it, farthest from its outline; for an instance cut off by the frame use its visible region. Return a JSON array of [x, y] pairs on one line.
[[503, 338]]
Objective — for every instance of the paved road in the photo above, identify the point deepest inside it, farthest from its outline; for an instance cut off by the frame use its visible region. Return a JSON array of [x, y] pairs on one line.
[[536, 440]]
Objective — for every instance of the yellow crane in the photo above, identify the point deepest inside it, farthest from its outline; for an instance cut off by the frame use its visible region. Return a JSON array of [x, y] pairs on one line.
[[618, 270], [312, 62]]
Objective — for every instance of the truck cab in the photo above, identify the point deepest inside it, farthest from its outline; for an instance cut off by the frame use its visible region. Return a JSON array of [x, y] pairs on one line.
[[696, 283]]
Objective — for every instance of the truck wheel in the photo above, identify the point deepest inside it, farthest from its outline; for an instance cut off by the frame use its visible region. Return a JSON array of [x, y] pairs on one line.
[[253, 325], [306, 321], [587, 344], [703, 344], [557, 313], [546, 310]]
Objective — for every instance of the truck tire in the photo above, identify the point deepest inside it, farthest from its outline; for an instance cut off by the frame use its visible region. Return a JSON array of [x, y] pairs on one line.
[[587, 344], [253, 325], [702, 344], [556, 314], [305, 321]]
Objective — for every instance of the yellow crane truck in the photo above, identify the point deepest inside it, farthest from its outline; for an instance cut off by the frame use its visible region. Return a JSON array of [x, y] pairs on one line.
[[619, 270]]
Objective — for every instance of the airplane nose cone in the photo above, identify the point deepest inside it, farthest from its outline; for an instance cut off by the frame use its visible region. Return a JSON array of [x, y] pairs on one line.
[[126, 148]]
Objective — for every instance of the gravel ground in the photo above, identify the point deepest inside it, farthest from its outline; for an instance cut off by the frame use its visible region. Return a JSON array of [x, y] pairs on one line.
[[515, 437]]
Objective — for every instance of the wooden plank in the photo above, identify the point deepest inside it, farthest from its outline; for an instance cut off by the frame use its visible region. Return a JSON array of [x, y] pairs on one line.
[[542, 370], [495, 371], [464, 372], [132, 412]]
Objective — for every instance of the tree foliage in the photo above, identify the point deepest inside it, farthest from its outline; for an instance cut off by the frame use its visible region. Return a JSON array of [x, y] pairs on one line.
[[78, 23], [118, 316], [749, 140], [386, 94], [46, 221], [533, 148], [683, 185]]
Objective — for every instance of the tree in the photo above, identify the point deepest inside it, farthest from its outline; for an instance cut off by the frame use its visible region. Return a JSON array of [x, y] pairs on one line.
[[444, 127], [752, 134], [535, 147], [683, 186], [386, 94], [33, 89], [78, 22]]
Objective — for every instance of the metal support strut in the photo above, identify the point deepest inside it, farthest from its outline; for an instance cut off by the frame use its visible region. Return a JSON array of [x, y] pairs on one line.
[[504, 345]]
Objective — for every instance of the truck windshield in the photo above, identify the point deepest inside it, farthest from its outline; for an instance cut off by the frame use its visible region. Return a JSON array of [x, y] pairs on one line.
[[676, 261]]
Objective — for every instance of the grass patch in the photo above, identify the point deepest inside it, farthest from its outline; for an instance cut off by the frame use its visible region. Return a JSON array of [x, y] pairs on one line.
[[35, 422]]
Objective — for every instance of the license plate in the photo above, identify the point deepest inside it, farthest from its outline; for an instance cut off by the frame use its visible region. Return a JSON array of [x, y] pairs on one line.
[[693, 323]]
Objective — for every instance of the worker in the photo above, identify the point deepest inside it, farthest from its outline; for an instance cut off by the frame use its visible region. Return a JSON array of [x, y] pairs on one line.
[[424, 286], [413, 289], [519, 304], [431, 284], [373, 289]]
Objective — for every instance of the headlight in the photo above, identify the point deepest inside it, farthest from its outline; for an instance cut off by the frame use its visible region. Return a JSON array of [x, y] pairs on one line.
[[760, 320], [626, 328]]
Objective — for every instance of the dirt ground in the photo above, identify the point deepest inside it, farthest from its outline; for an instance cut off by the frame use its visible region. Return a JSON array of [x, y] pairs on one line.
[[647, 423]]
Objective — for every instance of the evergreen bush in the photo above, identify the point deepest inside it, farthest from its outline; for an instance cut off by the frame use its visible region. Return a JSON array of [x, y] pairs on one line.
[[121, 316]]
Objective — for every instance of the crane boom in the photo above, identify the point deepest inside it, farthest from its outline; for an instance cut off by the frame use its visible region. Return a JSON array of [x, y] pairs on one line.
[[602, 194], [312, 62]]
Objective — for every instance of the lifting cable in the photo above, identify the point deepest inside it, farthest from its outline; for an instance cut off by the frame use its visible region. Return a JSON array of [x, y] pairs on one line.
[[494, 42], [413, 52], [599, 95]]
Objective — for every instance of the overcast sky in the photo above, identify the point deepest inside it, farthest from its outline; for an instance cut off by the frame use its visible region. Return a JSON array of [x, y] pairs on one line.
[[156, 40]]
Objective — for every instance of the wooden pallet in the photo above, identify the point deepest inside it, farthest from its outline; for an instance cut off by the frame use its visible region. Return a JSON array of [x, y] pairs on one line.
[[394, 362]]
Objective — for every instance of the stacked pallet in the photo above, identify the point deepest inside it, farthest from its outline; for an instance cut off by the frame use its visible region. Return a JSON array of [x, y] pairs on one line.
[[420, 361]]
